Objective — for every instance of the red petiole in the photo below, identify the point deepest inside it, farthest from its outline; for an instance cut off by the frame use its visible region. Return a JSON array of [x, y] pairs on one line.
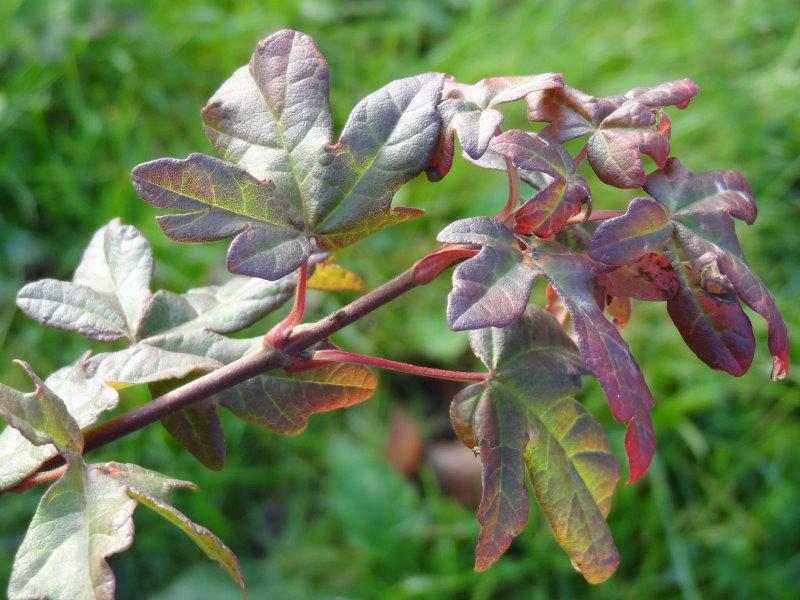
[[339, 356], [278, 334]]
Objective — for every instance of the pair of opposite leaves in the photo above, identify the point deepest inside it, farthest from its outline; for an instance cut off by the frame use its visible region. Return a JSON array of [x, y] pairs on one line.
[[287, 182]]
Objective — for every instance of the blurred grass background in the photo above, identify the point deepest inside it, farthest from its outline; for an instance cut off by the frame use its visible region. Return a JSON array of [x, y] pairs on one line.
[[90, 88]]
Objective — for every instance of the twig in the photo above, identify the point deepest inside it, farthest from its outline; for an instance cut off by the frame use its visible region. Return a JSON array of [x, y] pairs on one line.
[[252, 365]]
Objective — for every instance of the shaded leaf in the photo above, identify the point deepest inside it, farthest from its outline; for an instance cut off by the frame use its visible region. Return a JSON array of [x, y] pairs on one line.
[[197, 428], [619, 309], [85, 399], [470, 111], [752, 291], [526, 425], [549, 209], [620, 127], [709, 317], [649, 278], [108, 292], [272, 119], [282, 402], [209, 543], [83, 518], [492, 160]]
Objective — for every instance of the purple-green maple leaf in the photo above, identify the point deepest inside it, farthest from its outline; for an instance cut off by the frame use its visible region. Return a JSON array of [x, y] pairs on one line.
[[645, 227], [197, 427], [490, 298], [492, 288], [527, 427], [695, 215], [605, 351], [708, 315], [619, 127], [287, 181]]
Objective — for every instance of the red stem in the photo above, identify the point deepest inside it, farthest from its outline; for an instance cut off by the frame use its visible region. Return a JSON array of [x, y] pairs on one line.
[[38, 478], [513, 191], [299, 309], [581, 155], [277, 335], [340, 356]]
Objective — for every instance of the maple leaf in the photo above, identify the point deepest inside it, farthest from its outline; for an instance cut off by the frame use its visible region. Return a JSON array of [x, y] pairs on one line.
[[492, 288], [84, 398], [174, 338], [490, 297], [106, 297], [197, 428], [527, 427], [619, 127], [41, 416], [470, 111], [692, 218], [290, 182], [652, 277], [86, 515], [551, 207]]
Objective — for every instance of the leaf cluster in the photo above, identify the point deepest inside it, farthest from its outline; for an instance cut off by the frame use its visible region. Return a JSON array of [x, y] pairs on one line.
[[287, 192]]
